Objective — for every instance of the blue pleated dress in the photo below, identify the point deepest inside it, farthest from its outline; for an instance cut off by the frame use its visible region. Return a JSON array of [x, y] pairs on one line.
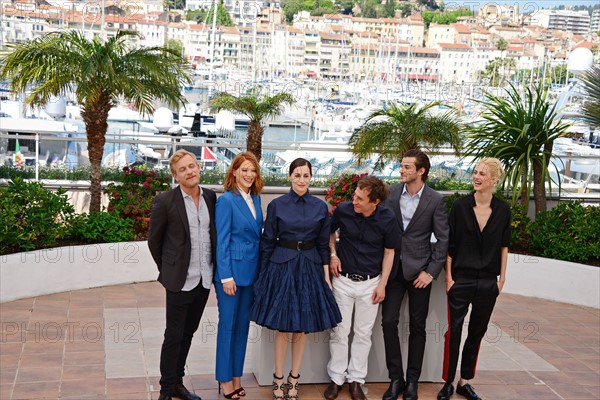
[[291, 294]]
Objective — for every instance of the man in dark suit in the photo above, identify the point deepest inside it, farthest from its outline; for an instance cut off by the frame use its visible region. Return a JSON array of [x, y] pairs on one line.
[[182, 240], [420, 211]]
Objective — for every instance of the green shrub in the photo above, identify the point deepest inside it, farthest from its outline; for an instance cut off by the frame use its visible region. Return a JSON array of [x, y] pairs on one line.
[[32, 217], [102, 227], [569, 232], [520, 227]]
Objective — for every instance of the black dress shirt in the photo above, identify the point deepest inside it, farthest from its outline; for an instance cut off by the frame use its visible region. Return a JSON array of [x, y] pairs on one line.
[[363, 239], [477, 253]]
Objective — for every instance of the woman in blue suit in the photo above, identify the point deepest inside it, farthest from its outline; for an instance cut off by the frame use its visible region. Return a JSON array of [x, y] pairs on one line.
[[239, 220]]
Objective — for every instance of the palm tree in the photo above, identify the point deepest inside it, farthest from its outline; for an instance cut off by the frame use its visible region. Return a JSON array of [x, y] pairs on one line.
[[399, 127], [255, 106], [520, 131], [591, 82], [100, 74]]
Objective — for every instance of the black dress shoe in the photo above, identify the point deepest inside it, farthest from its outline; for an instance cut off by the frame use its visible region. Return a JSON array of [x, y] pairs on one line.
[[356, 392], [182, 393], [394, 390], [411, 391], [332, 391], [164, 397], [446, 391], [467, 391]]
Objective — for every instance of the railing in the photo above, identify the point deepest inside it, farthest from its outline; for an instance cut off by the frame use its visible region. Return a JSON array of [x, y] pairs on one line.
[[329, 159]]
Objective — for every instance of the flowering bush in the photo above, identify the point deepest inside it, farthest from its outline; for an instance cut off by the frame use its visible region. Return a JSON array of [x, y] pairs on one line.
[[133, 197], [342, 189]]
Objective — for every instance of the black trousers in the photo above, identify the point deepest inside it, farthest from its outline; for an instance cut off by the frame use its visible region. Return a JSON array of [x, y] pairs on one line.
[[184, 311], [481, 294], [418, 307]]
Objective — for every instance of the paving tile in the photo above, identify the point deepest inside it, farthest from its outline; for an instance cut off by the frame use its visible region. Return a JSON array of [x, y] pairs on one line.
[[84, 358], [40, 347], [6, 391], [79, 387], [41, 390], [8, 375], [573, 392], [46, 360], [75, 372], [11, 348], [126, 385], [40, 374]]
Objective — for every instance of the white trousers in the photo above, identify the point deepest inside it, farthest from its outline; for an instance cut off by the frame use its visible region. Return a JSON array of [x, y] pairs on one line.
[[352, 296]]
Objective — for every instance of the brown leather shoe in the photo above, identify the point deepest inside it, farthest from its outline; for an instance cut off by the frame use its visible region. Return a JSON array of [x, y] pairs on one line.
[[356, 391], [332, 391]]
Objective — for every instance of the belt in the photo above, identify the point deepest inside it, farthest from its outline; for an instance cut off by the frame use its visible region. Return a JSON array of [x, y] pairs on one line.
[[291, 244], [358, 277]]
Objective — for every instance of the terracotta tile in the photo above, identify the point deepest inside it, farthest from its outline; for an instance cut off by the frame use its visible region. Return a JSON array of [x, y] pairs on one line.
[[205, 382], [41, 390], [75, 372], [83, 345], [84, 358], [126, 385], [47, 360], [7, 376], [14, 314], [43, 347], [13, 330], [18, 304], [81, 387], [130, 396], [553, 378], [91, 331], [9, 361], [573, 392], [86, 313], [45, 374], [584, 378], [11, 348], [6, 391], [87, 397], [516, 378], [534, 392]]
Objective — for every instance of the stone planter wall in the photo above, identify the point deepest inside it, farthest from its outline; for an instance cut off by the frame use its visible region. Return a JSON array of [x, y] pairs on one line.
[[79, 267], [61, 269]]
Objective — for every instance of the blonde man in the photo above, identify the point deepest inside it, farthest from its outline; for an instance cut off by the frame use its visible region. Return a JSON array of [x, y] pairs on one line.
[[182, 240]]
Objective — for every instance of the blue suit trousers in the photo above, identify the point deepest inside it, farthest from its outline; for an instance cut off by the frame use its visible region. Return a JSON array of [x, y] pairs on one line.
[[232, 335]]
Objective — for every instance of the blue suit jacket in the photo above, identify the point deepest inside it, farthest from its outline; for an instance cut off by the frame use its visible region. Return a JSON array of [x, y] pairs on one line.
[[238, 239]]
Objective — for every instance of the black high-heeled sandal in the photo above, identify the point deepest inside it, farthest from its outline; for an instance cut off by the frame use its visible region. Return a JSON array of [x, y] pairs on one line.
[[291, 386], [281, 387]]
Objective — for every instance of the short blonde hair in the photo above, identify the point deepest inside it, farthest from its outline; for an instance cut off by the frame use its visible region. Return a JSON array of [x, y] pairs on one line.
[[494, 167], [179, 154]]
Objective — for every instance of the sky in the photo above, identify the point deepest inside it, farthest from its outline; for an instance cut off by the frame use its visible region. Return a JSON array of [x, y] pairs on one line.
[[525, 5]]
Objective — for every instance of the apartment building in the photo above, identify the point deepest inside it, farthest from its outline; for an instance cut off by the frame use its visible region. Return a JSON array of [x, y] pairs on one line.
[[456, 62], [595, 21], [577, 22]]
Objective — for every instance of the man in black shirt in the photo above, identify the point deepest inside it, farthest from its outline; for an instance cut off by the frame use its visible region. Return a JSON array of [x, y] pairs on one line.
[[361, 266], [420, 211]]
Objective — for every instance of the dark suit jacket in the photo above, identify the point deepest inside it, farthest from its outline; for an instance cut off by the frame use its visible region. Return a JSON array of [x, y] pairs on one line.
[[169, 236], [417, 252]]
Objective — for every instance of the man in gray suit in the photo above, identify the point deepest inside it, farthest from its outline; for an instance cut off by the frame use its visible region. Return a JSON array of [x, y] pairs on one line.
[[182, 240], [420, 211]]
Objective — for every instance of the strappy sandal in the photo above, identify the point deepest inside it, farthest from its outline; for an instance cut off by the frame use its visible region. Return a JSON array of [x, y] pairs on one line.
[[293, 386], [241, 392], [281, 387]]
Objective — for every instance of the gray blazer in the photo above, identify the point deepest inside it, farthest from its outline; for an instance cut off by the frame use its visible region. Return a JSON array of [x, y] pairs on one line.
[[417, 252]]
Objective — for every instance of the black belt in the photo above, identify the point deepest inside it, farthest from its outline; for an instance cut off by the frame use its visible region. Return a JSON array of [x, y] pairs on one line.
[[358, 277], [291, 244]]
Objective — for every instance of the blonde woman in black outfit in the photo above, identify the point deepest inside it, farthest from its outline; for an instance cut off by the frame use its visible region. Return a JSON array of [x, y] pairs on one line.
[[475, 272]]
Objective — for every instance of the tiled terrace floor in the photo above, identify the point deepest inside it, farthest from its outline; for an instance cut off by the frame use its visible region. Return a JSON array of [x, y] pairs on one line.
[[104, 343]]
